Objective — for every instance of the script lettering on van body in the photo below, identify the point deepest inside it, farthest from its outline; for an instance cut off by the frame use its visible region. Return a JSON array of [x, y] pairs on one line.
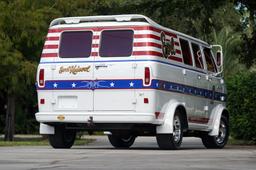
[[74, 69]]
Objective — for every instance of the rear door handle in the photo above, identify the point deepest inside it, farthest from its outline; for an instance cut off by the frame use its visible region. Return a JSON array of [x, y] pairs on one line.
[[199, 77], [101, 66]]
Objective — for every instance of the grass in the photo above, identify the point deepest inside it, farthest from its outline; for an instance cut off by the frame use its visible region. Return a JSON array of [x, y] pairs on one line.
[[233, 141], [39, 142]]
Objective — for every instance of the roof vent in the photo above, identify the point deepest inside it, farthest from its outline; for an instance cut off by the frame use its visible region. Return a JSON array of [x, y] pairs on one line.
[[72, 20]]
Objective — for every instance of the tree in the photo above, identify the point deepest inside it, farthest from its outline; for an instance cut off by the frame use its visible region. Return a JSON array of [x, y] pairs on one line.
[[247, 9], [241, 104], [20, 42], [227, 32]]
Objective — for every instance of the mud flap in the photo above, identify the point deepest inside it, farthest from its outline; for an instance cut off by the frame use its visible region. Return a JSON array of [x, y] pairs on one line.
[[46, 129]]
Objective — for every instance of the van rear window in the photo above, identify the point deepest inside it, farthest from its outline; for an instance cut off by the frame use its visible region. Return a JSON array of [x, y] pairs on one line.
[[116, 43], [75, 44]]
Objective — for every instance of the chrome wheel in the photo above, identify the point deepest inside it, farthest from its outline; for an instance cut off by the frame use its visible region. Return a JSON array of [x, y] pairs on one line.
[[176, 129], [219, 141], [127, 139], [121, 141], [174, 139], [222, 133]]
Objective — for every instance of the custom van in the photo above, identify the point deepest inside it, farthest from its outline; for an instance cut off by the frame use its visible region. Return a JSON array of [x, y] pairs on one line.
[[129, 76]]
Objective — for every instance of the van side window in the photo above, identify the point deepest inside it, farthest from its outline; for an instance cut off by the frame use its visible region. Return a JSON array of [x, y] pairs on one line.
[[116, 43], [75, 44], [209, 60], [187, 58], [197, 56]]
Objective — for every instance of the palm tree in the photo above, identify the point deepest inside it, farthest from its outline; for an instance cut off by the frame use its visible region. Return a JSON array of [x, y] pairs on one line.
[[231, 44]]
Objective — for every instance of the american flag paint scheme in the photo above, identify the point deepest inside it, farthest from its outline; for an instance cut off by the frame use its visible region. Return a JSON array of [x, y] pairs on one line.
[[146, 41]]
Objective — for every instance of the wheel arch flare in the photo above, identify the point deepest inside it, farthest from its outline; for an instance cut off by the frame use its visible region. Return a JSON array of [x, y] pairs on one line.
[[169, 110]]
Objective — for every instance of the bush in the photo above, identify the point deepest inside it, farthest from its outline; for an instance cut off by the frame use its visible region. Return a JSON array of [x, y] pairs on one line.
[[242, 105]]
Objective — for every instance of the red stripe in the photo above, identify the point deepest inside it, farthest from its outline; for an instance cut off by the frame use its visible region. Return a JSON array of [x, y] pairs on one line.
[[198, 119], [146, 36], [175, 58], [137, 44], [96, 37], [159, 31], [154, 29], [95, 45], [178, 51], [71, 29], [50, 46], [176, 43], [170, 34], [52, 38], [57, 38], [147, 53], [146, 44], [49, 55], [156, 54], [113, 27], [94, 54], [99, 28]]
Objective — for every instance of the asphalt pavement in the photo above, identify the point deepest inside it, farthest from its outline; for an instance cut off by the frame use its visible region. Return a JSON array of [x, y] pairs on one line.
[[144, 154]]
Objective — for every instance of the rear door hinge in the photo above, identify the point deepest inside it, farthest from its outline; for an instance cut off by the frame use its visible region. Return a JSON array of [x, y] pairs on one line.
[[134, 65], [53, 101], [134, 101], [53, 67]]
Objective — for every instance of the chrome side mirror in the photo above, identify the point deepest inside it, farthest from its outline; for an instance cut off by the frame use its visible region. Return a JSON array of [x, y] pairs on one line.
[[218, 57]]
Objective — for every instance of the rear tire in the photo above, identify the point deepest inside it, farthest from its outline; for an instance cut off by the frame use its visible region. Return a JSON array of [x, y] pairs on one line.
[[217, 142], [63, 138], [121, 141], [174, 140]]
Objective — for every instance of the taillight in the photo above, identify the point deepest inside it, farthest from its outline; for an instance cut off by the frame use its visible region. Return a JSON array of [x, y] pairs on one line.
[[41, 77], [146, 100], [147, 76], [42, 101]]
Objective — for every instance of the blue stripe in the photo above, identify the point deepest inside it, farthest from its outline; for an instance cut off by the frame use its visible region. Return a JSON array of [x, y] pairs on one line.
[[131, 84], [99, 61]]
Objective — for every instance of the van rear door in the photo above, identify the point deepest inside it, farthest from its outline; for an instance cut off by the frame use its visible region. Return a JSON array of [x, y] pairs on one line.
[[73, 71], [114, 72]]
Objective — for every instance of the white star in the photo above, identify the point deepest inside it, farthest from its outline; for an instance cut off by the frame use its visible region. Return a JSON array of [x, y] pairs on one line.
[[112, 84], [131, 84], [73, 85], [164, 86], [156, 84], [55, 85]]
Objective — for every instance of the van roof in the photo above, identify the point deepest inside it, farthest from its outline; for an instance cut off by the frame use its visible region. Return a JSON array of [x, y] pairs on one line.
[[118, 18]]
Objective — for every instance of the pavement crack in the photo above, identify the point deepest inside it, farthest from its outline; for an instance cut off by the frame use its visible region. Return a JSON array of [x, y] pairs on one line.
[[48, 167]]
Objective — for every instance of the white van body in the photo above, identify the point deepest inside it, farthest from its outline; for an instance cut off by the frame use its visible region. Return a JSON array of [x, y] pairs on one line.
[[138, 91]]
